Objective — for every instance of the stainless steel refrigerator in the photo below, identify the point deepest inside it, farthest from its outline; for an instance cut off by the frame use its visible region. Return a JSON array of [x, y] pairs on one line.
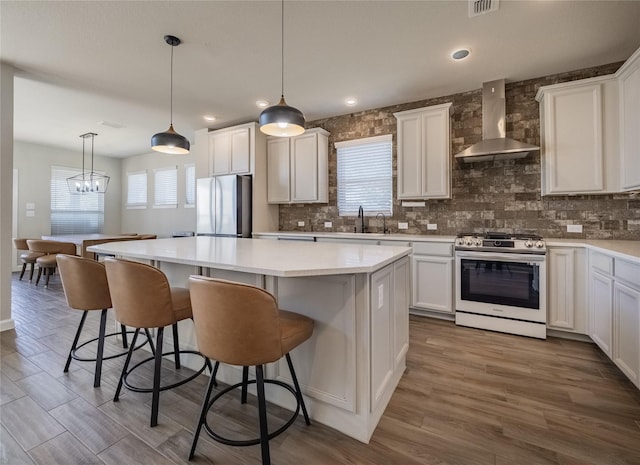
[[223, 206]]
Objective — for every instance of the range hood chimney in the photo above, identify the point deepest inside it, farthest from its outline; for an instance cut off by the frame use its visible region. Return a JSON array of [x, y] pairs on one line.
[[494, 145]]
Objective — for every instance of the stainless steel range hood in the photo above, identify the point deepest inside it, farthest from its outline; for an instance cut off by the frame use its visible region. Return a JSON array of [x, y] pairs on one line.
[[494, 145]]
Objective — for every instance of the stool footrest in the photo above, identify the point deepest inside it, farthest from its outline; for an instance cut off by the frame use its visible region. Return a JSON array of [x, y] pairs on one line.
[[251, 442], [207, 364], [119, 333]]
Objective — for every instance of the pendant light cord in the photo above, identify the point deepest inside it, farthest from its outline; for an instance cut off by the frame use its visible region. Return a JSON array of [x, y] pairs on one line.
[[171, 90], [282, 51], [82, 158]]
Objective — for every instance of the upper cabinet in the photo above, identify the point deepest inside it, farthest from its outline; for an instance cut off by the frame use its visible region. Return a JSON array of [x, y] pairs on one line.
[[580, 136], [297, 168], [590, 133], [629, 76], [231, 150], [424, 161]]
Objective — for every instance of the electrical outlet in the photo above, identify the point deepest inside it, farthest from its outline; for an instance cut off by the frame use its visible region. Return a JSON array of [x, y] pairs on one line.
[[301, 223], [432, 226], [574, 228], [328, 224], [403, 225]]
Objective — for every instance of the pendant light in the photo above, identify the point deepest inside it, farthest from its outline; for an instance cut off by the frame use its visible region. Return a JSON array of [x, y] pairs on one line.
[[88, 181], [170, 141], [281, 120]]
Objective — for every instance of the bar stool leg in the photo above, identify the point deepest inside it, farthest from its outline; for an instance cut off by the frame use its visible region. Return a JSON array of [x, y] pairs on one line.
[[103, 325], [203, 412], [123, 331], [298, 391], [39, 274], [75, 340], [155, 400], [116, 396], [47, 274], [31, 272], [262, 413], [24, 268], [176, 346], [150, 339], [245, 380]]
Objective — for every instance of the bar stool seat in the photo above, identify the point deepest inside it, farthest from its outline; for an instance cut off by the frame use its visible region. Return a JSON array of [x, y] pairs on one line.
[[26, 257], [241, 325], [86, 289], [143, 299]]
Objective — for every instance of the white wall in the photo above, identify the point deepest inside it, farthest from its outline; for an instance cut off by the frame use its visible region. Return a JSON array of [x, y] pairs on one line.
[[6, 188], [160, 221], [34, 161]]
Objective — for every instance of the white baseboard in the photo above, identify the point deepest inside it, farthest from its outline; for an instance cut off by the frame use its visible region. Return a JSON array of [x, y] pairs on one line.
[[6, 325]]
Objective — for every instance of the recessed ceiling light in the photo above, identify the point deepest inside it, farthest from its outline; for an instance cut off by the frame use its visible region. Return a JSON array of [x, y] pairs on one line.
[[209, 118], [350, 101], [262, 103], [460, 54]]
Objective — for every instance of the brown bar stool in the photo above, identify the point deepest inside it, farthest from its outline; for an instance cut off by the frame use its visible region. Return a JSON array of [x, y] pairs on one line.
[[27, 257], [143, 299], [241, 325], [85, 286], [47, 261]]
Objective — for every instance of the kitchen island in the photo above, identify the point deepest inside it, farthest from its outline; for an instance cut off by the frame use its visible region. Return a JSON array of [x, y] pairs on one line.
[[358, 296]]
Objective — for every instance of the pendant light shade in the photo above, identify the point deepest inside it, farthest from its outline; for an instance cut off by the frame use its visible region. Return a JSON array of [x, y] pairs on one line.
[[170, 141], [88, 181], [282, 120]]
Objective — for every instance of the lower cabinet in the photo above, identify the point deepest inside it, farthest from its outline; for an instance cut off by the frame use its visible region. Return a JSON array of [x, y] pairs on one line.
[[614, 311], [601, 310], [626, 330], [567, 289], [432, 283]]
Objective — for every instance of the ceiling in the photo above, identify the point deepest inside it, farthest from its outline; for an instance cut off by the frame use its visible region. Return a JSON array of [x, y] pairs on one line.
[[79, 63]]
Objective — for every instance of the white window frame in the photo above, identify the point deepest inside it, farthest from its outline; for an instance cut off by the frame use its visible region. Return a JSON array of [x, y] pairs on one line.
[[73, 213], [165, 187], [130, 176], [190, 185], [381, 176]]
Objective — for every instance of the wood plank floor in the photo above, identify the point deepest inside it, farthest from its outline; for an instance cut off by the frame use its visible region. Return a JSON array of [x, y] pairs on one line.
[[468, 397]]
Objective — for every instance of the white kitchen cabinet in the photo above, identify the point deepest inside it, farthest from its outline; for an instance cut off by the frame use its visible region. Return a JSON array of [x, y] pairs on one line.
[[297, 168], [629, 77], [423, 153], [580, 135], [567, 289], [601, 310], [432, 277], [626, 330], [230, 150]]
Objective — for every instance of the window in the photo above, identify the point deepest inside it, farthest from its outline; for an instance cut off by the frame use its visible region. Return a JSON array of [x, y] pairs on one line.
[[365, 176], [165, 182], [190, 185], [74, 213], [137, 189]]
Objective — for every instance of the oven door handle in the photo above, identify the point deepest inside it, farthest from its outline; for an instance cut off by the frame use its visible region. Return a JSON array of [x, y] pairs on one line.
[[506, 257]]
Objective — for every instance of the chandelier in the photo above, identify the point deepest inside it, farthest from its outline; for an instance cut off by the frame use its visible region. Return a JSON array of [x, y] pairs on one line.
[[88, 181]]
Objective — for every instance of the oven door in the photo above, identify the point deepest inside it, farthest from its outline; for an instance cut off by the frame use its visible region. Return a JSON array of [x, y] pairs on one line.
[[507, 285]]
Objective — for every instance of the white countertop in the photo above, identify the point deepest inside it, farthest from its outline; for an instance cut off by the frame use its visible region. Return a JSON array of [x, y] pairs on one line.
[[623, 249], [273, 258]]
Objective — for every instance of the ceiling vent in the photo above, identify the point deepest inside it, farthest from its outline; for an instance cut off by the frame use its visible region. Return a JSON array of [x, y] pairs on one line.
[[480, 7]]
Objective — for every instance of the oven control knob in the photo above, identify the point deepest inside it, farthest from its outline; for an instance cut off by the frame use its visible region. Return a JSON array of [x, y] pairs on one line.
[[467, 242], [477, 242], [539, 244], [528, 244]]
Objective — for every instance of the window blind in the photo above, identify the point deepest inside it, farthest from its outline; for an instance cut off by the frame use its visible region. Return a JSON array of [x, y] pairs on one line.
[[190, 184], [365, 176], [137, 189], [165, 187], [74, 213]]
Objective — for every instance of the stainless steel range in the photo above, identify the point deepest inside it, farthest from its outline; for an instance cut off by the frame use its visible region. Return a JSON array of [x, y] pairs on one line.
[[501, 283]]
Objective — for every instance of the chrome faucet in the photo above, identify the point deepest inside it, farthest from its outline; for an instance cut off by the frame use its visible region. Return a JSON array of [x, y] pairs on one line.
[[361, 217], [384, 223]]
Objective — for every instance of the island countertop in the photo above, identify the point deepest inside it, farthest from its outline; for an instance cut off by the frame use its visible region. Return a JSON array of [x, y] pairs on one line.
[[273, 258]]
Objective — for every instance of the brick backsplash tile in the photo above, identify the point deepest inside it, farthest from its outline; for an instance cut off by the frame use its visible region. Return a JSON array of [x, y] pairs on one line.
[[502, 195]]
